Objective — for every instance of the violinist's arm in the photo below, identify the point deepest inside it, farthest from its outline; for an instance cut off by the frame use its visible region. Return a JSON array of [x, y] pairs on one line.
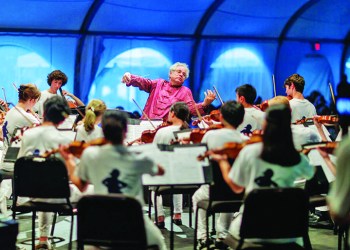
[[225, 168], [319, 128], [328, 161], [76, 99], [71, 166]]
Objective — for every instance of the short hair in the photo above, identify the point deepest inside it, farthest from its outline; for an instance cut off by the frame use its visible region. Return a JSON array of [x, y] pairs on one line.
[[181, 110], [27, 92], [297, 80], [56, 110], [94, 109], [248, 91], [232, 112], [175, 65], [114, 124], [279, 100], [57, 75]]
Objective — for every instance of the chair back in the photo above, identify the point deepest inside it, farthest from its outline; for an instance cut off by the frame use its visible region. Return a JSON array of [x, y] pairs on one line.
[[275, 213], [115, 221], [219, 190], [40, 178]]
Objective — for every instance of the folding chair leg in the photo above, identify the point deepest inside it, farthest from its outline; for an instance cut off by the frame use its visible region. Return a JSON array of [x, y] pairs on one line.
[[195, 229], [207, 228], [33, 229], [190, 209], [149, 203], [155, 208], [213, 229], [53, 224], [71, 233]]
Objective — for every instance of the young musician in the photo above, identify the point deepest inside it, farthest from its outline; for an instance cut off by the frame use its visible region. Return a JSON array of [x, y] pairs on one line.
[[232, 114], [177, 116], [272, 163], [20, 116], [90, 129], [44, 138], [253, 117], [116, 164], [300, 106], [56, 79]]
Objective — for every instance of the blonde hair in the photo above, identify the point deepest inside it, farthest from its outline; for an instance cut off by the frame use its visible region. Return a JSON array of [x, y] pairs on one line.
[[94, 109], [279, 100]]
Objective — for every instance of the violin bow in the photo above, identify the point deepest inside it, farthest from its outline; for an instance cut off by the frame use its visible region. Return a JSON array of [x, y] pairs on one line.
[[332, 93], [14, 85], [217, 93], [274, 84], [143, 112]]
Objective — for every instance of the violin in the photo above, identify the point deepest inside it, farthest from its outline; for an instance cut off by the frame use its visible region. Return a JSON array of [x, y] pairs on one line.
[[323, 119], [232, 149], [76, 148], [328, 146], [263, 106], [214, 115], [197, 133], [147, 136]]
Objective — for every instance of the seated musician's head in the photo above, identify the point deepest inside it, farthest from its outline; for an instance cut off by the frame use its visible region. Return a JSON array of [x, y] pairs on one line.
[[28, 94], [232, 113], [246, 93], [277, 137], [294, 83], [114, 126], [180, 110], [56, 110], [93, 114], [278, 100]]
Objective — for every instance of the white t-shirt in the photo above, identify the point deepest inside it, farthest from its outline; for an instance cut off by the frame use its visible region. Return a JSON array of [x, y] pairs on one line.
[[218, 137], [83, 135], [42, 138], [17, 118], [165, 135], [302, 135], [251, 172], [301, 108], [253, 120], [112, 169], [39, 106]]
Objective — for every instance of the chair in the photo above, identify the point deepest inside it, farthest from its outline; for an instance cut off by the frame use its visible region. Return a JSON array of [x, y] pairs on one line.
[[114, 221], [41, 178], [221, 200], [275, 213], [343, 236], [8, 234]]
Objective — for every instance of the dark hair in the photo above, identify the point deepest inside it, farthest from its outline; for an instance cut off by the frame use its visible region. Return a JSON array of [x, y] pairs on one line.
[[233, 113], [27, 92], [181, 110], [114, 123], [297, 80], [56, 110], [248, 91], [57, 75], [277, 138]]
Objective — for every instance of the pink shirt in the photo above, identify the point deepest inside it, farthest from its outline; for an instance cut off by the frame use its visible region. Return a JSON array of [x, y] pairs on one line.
[[162, 95]]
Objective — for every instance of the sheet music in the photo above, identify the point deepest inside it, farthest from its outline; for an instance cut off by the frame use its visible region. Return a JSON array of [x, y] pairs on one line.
[[181, 167], [68, 122], [135, 131], [317, 160]]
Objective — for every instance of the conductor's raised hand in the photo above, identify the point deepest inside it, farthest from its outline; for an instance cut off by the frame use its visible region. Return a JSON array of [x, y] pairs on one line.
[[126, 77], [209, 97]]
